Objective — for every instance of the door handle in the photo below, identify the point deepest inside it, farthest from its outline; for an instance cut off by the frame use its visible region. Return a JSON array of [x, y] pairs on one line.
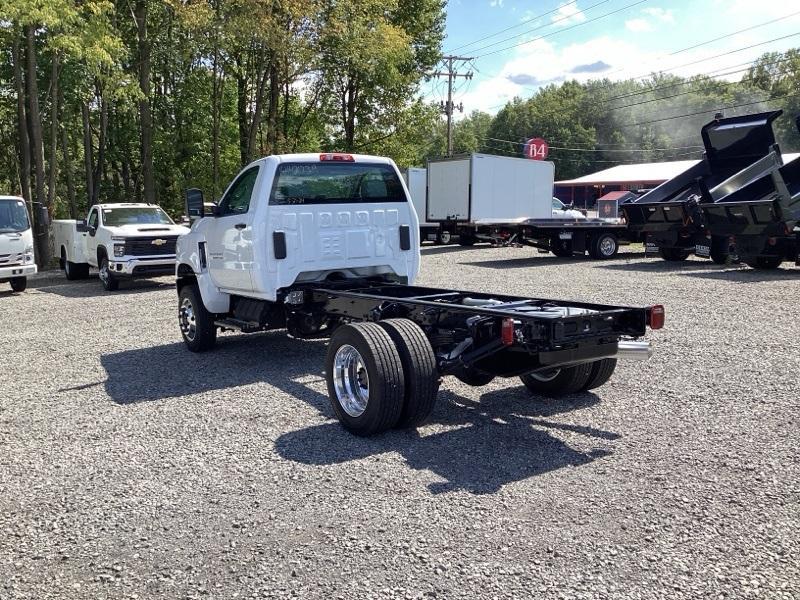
[[240, 225]]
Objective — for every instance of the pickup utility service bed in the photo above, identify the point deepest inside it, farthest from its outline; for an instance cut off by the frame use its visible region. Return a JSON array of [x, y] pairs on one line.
[[120, 240], [327, 245]]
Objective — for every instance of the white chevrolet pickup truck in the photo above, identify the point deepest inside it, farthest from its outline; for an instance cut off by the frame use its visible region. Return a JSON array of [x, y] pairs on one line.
[[327, 245], [16, 243], [120, 240]]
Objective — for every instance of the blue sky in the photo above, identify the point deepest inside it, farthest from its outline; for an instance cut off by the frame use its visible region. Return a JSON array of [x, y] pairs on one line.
[[576, 41]]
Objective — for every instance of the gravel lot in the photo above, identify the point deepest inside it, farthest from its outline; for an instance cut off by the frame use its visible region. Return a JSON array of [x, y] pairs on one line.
[[130, 468]]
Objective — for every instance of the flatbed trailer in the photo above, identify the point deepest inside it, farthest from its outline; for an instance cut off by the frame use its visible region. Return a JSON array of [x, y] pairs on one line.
[[601, 238], [670, 217]]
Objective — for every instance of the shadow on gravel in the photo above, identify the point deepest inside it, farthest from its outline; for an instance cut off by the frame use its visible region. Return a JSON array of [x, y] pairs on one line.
[[658, 266], [545, 260], [428, 250], [170, 371], [89, 288], [747, 275], [487, 444]]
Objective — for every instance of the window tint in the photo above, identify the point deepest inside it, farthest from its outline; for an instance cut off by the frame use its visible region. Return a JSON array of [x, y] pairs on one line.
[[115, 217], [335, 183], [13, 216], [237, 200], [93, 219]]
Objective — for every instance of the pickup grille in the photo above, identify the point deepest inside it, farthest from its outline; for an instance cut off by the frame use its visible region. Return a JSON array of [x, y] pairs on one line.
[[10, 260], [151, 246]]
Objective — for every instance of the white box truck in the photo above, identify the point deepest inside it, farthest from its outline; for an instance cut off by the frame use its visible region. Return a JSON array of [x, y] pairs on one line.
[[501, 199], [16, 243], [416, 180]]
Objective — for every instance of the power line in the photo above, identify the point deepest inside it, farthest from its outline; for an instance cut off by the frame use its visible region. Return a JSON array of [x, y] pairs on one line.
[[644, 150], [540, 27], [541, 37], [447, 108], [513, 27]]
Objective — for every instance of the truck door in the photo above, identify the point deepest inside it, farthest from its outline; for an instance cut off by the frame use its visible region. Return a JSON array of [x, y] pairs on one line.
[[340, 214], [90, 237], [230, 238]]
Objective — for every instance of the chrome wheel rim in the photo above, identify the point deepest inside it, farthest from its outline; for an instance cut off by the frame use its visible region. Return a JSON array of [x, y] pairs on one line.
[[187, 319], [104, 272], [545, 376], [350, 381], [445, 237], [607, 246]]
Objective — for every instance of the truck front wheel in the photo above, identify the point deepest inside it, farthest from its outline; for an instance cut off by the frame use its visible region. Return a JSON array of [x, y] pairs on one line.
[[19, 284], [559, 381], [365, 378], [196, 323], [603, 246], [110, 283]]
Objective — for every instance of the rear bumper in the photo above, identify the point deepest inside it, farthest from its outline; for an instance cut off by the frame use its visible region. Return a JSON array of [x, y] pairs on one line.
[[17, 271], [143, 267]]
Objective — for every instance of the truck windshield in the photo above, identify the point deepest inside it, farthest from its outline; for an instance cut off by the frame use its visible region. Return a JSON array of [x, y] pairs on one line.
[[135, 215], [335, 183], [13, 216]]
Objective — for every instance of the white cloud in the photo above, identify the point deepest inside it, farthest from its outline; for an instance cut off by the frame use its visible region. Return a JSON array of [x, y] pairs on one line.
[[660, 14], [568, 14], [638, 25], [498, 3]]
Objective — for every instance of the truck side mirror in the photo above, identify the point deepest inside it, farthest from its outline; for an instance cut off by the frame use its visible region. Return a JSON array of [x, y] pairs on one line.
[[195, 208]]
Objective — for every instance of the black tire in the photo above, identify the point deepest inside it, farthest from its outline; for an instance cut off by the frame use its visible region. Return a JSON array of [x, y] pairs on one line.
[[466, 239], [720, 250], [443, 237], [561, 248], [377, 357], [473, 377], [764, 263], [196, 323], [110, 283], [19, 284], [420, 376], [603, 246], [602, 370], [674, 254], [559, 382], [75, 271]]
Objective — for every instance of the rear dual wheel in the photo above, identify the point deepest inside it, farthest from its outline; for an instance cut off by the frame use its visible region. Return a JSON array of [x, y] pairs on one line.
[[572, 379], [674, 254], [381, 375], [765, 263], [603, 246]]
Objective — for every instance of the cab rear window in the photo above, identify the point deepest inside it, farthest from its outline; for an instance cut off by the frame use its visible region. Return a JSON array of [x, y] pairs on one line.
[[335, 183]]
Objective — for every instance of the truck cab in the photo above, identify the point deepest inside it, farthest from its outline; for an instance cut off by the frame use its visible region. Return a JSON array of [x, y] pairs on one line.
[[121, 240], [16, 243], [300, 218]]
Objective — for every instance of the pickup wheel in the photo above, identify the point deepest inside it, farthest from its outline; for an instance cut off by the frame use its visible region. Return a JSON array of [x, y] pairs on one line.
[[674, 254], [560, 381], [196, 323], [365, 378], [110, 283], [420, 377], [75, 271], [603, 246], [19, 284], [602, 370]]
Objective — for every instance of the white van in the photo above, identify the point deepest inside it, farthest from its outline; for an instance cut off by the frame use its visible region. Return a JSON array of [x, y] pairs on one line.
[[16, 243]]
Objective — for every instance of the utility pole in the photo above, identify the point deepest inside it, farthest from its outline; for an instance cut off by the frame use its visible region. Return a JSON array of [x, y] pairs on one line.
[[447, 107]]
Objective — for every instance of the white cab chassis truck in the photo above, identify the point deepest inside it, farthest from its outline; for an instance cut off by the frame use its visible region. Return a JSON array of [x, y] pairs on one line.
[[16, 243], [327, 245], [121, 240]]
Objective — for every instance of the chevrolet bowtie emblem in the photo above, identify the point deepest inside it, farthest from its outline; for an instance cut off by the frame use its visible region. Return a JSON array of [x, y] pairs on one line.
[[158, 242]]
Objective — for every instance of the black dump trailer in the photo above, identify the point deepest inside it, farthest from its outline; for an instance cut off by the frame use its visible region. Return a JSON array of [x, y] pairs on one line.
[[760, 213], [670, 216]]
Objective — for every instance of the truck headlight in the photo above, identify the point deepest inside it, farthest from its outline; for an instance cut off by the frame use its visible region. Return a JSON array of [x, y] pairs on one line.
[[28, 256], [119, 249]]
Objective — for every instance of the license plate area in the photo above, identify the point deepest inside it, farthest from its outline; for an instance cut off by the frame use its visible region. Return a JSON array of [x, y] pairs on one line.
[[702, 250]]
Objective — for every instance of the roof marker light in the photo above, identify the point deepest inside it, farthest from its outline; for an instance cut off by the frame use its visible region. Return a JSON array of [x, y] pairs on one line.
[[335, 156]]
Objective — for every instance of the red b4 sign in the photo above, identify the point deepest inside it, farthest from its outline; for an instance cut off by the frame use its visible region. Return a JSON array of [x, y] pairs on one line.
[[536, 148]]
